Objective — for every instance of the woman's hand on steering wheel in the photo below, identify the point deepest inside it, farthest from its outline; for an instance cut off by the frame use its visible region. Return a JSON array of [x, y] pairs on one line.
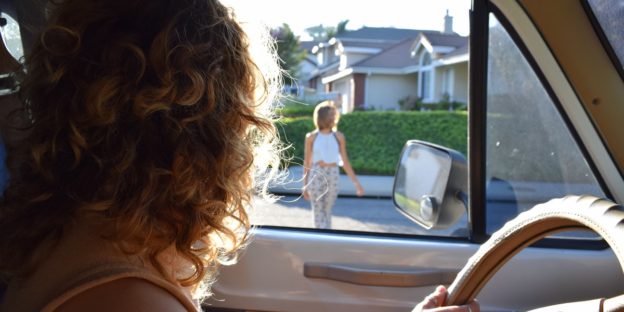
[[435, 303]]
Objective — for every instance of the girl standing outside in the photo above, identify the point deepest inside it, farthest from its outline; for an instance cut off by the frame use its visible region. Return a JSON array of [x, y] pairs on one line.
[[325, 150]]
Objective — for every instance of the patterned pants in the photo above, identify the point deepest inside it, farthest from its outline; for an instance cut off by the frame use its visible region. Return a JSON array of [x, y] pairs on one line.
[[323, 190]]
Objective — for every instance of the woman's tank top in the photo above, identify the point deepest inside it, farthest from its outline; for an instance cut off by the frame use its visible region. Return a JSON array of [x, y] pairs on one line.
[[80, 261], [325, 148]]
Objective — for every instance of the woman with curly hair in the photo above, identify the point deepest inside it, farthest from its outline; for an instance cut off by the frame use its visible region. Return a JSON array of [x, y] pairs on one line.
[[129, 189]]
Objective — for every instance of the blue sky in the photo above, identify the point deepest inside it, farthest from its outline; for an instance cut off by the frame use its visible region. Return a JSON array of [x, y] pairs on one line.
[[416, 14]]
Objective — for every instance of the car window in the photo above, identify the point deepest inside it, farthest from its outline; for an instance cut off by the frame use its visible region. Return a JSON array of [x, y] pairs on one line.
[[531, 154], [610, 15], [394, 79]]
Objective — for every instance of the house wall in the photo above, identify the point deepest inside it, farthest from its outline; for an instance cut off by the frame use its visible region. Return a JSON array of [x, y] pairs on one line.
[[460, 91], [385, 91], [451, 79], [326, 55], [359, 90], [343, 87], [316, 84], [439, 76], [348, 59], [306, 68]]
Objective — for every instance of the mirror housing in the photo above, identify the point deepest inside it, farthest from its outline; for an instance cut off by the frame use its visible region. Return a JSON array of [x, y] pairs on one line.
[[430, 184]]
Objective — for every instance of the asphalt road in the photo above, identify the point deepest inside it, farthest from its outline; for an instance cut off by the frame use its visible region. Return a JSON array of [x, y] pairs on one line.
[[349, 213]]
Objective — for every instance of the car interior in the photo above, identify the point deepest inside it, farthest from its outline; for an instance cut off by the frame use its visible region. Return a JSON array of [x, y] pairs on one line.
[[519, 244]]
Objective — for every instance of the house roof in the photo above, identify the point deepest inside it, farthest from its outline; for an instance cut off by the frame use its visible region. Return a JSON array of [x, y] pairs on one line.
[[447, 40], [367, 44], [459, 51], [380, 33], [378, 37], [308, 45], [396, 56]]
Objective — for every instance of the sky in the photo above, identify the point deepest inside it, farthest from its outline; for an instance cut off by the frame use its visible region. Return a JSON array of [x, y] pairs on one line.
[[415, 14]]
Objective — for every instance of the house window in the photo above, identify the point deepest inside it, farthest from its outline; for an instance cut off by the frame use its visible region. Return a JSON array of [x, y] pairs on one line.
[[424, 89], [426, 59], [425, 84], [447, 85]]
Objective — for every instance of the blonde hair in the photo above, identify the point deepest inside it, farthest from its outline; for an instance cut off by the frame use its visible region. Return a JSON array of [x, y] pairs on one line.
[[326, 116], [153, 114]]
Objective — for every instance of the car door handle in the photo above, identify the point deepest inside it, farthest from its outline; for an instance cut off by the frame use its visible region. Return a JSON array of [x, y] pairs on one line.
[[374, 275]]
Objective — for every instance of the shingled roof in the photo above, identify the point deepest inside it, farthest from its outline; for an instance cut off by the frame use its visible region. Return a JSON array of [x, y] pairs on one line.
[[459, 51], [381, 34], [446, 40], [397, 56], [308, 45]]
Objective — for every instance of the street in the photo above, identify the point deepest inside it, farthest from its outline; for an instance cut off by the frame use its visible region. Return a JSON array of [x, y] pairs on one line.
[[351, 214]]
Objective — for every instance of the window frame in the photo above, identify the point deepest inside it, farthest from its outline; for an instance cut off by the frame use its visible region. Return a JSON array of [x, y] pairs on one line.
[[477, 105], [477, 156], [602, 37]]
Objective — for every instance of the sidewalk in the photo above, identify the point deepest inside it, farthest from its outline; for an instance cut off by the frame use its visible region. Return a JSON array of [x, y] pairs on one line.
[[374, 186]]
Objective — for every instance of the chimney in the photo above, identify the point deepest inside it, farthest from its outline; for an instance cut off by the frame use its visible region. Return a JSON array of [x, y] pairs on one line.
[[448, 23]]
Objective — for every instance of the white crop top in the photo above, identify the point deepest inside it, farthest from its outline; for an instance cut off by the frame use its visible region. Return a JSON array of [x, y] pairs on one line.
[[326, 148]]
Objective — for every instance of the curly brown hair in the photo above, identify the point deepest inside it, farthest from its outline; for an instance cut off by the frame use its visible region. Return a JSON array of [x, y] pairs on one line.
[[149, 113]]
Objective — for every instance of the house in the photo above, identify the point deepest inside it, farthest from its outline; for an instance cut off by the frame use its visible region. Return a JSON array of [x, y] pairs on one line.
[[377, 67], [309, 64]]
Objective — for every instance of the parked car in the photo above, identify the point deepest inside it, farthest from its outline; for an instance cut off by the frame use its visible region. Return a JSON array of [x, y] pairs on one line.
[[546, 93]]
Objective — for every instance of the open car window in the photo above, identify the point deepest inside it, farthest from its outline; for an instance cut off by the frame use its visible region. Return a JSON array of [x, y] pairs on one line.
[[532, 156], [397, 71]]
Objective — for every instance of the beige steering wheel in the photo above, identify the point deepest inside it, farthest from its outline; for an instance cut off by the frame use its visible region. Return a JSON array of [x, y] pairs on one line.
[[568, 213]]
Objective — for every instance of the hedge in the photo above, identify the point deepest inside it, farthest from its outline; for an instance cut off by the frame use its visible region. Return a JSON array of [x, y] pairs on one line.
[[375, 139], [295, 108]]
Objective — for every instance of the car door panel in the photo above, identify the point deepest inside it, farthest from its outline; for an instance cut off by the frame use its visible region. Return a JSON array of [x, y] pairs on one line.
[[282, 254], [270, 274]]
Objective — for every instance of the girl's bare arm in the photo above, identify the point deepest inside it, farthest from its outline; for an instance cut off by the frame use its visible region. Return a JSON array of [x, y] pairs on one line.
[[307, 161], [347, 165]]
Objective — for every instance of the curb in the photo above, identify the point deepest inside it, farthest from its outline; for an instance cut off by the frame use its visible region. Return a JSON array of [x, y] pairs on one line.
[[291, 182]]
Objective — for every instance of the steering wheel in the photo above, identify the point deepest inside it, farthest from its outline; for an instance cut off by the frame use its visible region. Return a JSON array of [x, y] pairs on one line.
[[564, 214]]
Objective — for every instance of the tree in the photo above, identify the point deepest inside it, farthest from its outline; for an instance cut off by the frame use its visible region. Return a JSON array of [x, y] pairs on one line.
[[289, 50], [324, 33]]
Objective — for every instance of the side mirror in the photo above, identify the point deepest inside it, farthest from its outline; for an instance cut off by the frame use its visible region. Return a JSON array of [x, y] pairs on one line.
[[11, 51], [430, 184]]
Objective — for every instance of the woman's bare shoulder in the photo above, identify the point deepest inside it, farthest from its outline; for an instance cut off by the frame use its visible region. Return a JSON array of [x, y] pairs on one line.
[[127, 294]]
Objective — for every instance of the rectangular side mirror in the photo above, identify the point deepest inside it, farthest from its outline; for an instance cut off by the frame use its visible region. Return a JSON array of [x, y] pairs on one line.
[[430, 184]]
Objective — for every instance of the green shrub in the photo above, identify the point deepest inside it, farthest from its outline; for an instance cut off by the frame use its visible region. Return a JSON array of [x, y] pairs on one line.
[[295, 108], [375, 139], [292, 133], [412, 103]]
